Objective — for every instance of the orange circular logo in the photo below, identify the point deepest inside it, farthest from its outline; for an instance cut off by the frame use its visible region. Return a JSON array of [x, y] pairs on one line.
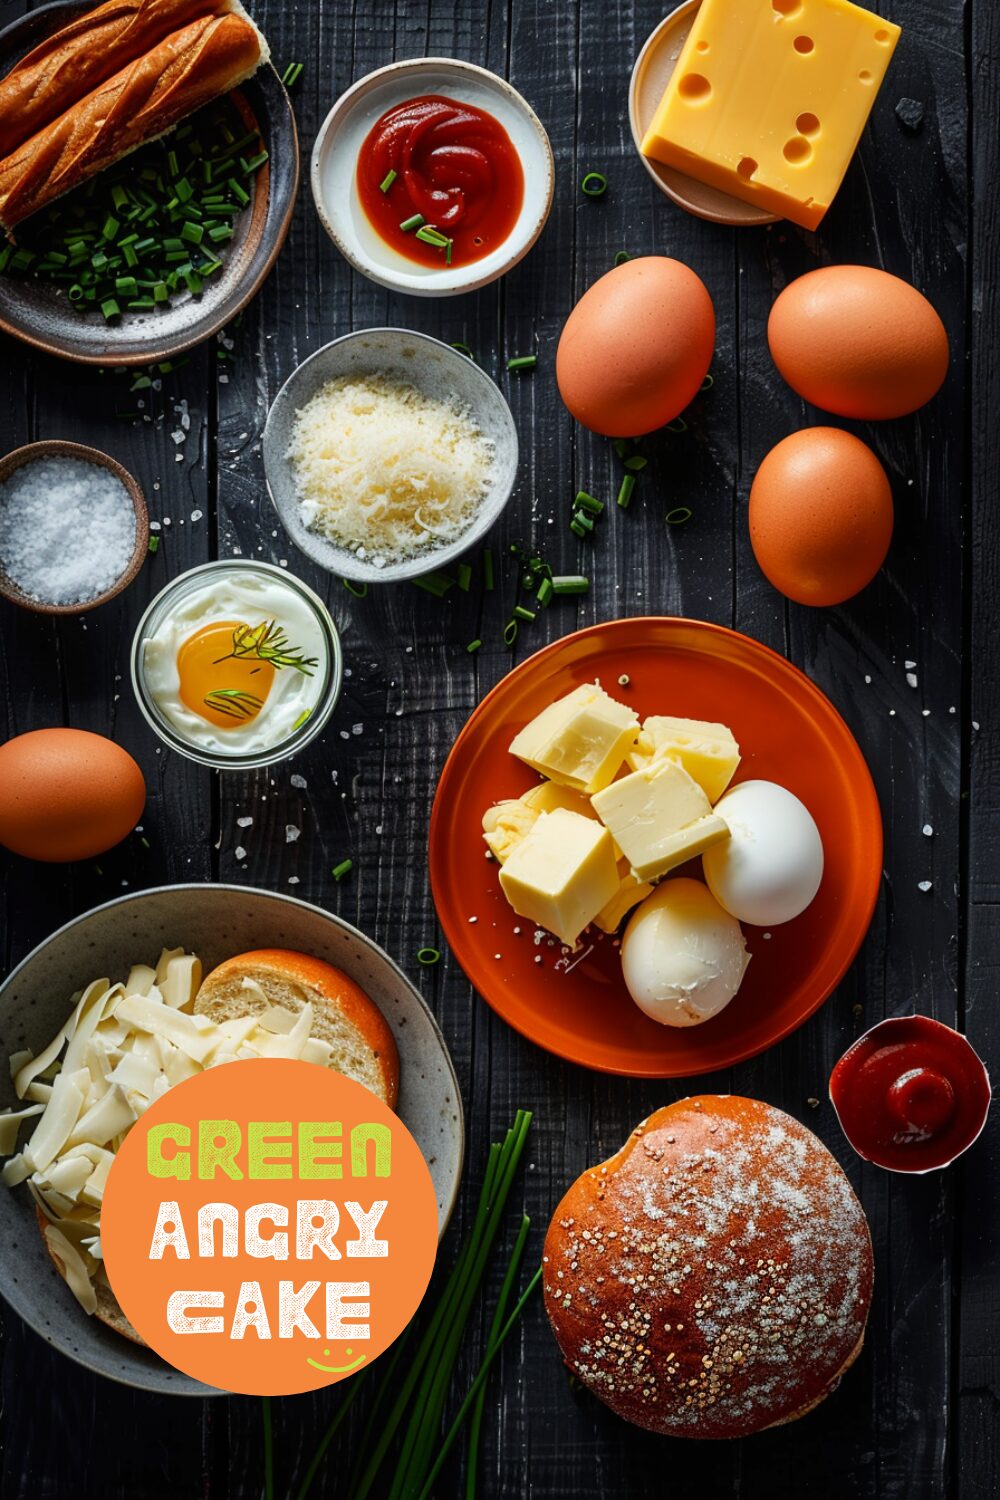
[[269, 1227]]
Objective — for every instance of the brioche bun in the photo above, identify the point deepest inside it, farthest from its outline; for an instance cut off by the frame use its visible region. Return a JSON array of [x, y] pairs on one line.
[[713, 1278], [363, 1046]]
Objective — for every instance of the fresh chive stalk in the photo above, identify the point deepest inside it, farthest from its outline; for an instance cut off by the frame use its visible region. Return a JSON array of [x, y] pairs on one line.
[[464, 577], [625, 491], [545, 590], [292, 74], [570, 583], [415, 221], [359, 590], [387, 180], [344, 868], [520, 613], [589, 503], [523, 362], [492, 1341]]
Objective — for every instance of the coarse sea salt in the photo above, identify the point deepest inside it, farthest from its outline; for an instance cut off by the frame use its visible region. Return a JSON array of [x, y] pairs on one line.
[[67, 530]]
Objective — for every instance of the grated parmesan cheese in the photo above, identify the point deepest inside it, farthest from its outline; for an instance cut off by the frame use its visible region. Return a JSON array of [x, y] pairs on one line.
[[386, 471]]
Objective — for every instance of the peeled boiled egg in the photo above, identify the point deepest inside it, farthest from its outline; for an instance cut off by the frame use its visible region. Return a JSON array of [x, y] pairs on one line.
[[67, 794], [820, 515], [683, 957], [770, 867], [636, 347], [859, 342]]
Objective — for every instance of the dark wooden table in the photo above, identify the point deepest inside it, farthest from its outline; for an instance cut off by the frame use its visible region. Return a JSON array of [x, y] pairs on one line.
[[918, 1415]]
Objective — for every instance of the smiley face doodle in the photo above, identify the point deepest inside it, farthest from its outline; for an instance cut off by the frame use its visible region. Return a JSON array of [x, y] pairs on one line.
[[337, 1369]]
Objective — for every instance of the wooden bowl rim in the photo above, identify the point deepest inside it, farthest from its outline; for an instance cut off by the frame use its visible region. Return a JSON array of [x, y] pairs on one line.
[[61, 448]]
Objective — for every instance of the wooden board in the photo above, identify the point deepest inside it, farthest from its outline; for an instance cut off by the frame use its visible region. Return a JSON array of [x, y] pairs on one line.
[[917, 1417]]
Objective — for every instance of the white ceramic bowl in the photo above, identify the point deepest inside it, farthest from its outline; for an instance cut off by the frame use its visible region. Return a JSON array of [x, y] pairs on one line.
[[435, 369], [335, 157], [214, 921]]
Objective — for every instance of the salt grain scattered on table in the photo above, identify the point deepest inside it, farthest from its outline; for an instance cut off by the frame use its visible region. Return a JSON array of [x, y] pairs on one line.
[[67, 530]]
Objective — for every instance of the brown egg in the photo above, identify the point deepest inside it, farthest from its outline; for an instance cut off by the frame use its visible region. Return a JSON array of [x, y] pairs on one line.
[[636, 347], [820, 515], [858, 342], [66, 794]]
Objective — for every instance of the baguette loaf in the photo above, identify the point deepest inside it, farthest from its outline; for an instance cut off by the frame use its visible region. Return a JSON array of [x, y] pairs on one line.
[[73, 61], [139, 103]]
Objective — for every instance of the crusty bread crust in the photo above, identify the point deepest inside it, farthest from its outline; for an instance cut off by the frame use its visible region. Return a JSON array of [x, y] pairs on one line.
[[287, 978], [713, 1278]]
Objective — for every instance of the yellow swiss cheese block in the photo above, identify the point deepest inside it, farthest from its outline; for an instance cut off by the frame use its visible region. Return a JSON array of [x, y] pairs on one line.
[[562, 873], [580, 740], [659, 817], [708, 752], [769, 98]]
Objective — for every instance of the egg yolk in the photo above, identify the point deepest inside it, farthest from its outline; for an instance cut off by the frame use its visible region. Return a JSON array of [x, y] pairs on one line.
[[225, 689]]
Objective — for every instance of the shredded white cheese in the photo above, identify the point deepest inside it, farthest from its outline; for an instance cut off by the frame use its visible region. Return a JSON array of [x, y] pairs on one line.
[[385, 470]]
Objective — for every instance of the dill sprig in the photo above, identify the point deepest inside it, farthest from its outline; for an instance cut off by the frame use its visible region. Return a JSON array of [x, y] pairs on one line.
[[268, 642]]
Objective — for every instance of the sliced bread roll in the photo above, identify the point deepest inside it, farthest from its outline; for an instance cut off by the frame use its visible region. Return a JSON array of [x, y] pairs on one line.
[[343, 1016]]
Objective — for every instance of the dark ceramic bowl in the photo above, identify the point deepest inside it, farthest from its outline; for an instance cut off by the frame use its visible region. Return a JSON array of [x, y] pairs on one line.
[[35, 312]]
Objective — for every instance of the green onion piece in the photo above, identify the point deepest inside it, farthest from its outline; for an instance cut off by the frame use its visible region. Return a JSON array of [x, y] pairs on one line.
[[437, 584], [589, 503], [127, 285], [192, 233], [523, 362], [413, 222], [344, 868], [432, 236], [510, 633], [464, 577], [447, 252], [110, 308], [544, 592], [487, 570], [577, 529], [291, 74], [679, 515], [473, 646], [625, 491], [173, 166], [359, 590], [249, 167], [583, 521], [520, 613], [462, 349], [111, 227], [303, 716], [570, 583], [621, 257], [594, 185], [428, 956], [153, 545], [636, 463], [677, 425], [621, 447], [387, 180], [707, 383]]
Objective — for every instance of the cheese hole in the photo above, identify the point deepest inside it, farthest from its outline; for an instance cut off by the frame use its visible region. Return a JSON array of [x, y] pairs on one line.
[[702, 47], [803, 44], [865, 76], [807, 124], [694, 87], [746, 167], [882, 36], [786, 7], [797, 150]]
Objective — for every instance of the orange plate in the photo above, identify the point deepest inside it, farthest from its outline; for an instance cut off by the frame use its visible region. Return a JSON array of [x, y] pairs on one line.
[[578, 1006]]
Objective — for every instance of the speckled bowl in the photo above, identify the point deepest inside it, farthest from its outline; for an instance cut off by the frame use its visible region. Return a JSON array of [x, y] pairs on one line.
[[215, 921], [435, 369]]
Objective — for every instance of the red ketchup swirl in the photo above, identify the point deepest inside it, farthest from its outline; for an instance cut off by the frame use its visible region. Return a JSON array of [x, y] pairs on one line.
[[911, 1094], [455, 165]]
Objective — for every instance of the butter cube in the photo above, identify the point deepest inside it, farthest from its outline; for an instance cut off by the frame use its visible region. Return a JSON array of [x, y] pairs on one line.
[[708, 752], [579, 741], [659, 817], [506, 823], [548, 795], [562, 873], [769, 98], [630, 892]]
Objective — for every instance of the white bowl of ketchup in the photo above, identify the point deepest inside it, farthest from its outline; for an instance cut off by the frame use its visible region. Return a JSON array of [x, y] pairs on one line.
[[441, 142], [911, 1095]]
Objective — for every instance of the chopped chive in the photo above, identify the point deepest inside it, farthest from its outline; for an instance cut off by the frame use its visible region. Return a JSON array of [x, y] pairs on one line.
[[620, 446], [153, 545], [594, 185], [462, 348], [435, 583], [544, 592], [625, 491], [303, 716], [523, 362], [570, 583], [110, 308], [577, 529], [359, 590], [677, 425], [589, 503], [520, 613], [510, 633], [464, 577], [621, 257], [387, 180], [291, 74], [428, 956], [487, 570], [582, 522], [473, 646], [679, 515], [141, 383], [251, 166], [707, 383], [636, 463], [447, 252], [191, 232], [344, 868], [415, 221]]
